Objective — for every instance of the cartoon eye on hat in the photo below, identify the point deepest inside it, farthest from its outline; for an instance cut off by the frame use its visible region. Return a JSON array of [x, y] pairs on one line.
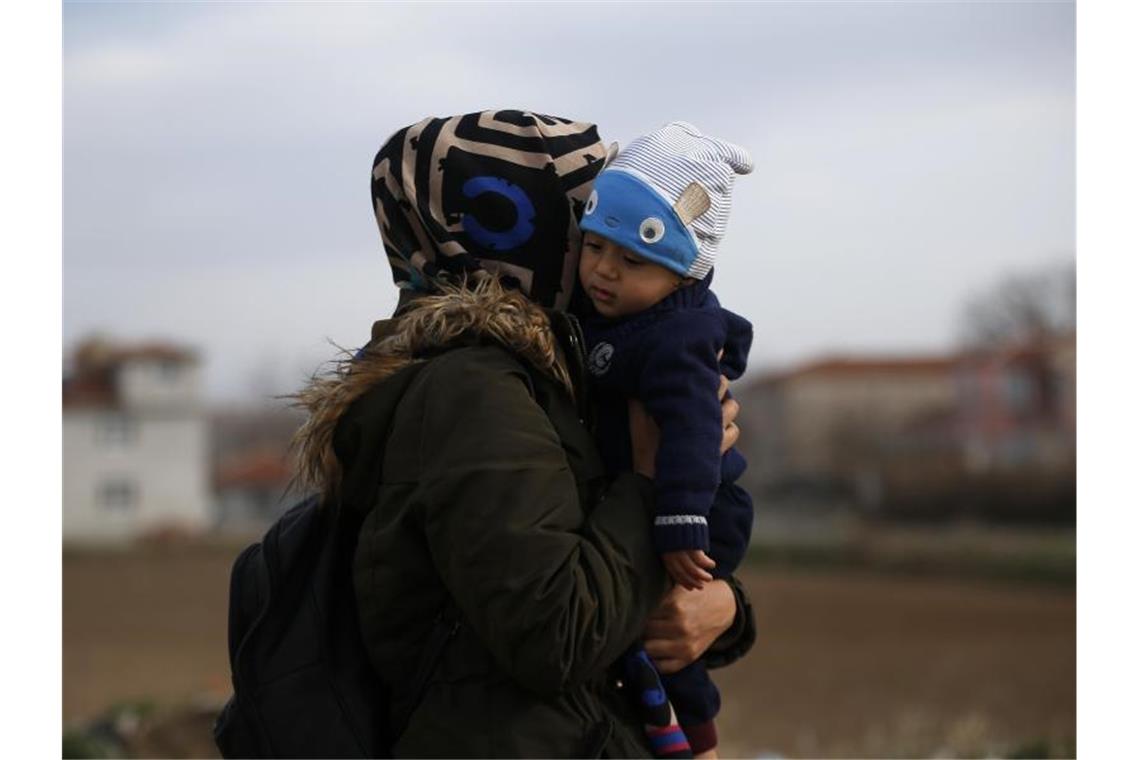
[[591, 203], [652, 229]]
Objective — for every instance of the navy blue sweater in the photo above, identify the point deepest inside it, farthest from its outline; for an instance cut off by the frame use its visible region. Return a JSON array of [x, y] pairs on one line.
[[666, 356]]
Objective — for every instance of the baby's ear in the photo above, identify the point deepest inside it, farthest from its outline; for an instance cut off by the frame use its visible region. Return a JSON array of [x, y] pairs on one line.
[[693, 202]]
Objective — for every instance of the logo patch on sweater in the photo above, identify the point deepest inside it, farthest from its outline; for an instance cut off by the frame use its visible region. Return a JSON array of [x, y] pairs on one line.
[[600, 358]]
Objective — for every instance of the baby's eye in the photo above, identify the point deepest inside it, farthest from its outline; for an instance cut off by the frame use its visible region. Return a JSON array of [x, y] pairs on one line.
[[632, 261], [652, 230]]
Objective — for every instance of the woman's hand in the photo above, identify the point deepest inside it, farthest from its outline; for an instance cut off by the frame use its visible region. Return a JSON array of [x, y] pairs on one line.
[[728, 411], [645, 435], [686, 623]]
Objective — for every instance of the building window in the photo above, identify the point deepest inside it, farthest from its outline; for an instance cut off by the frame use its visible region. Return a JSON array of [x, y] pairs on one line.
[[118, 495], [115, 430], [1019, 392], [169, 370], [969, 389]]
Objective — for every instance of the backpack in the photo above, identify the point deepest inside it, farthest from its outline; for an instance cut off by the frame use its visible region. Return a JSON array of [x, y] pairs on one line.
[[303, 685], [303, 682]]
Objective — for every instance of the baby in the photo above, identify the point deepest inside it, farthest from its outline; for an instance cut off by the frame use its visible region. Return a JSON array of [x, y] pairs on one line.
[[655, 332]]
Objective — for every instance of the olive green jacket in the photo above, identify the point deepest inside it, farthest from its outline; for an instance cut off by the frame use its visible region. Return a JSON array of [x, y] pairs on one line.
[[497, 574]]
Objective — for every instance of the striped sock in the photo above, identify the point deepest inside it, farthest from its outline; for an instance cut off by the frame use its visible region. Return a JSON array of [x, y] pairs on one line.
[[661, 727], [670, 740]]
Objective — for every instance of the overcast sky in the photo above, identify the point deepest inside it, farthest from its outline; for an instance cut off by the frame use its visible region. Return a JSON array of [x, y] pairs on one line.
[[216, 157]]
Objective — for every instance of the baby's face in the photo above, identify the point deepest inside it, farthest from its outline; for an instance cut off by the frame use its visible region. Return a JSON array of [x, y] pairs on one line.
[[620, 282]]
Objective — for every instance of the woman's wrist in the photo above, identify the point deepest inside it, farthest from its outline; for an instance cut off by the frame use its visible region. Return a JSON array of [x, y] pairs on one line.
[[734, 621], [740, 635], [725, 609]]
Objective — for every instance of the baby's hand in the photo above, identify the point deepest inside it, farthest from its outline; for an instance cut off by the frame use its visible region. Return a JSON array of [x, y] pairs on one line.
[[689, 568]]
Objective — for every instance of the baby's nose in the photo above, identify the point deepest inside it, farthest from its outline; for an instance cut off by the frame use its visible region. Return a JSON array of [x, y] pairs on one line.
[[607, 266]]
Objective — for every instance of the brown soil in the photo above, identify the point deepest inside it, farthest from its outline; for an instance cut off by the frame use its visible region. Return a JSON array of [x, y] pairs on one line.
[[144, 625], [846, 665], [884, 666]]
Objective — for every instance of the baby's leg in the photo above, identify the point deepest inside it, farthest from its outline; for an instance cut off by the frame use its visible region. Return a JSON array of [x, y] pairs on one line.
[[697, 701], [661, 727]]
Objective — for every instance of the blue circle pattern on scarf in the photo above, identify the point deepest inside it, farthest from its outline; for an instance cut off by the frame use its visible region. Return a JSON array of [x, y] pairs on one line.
[[524, 214]]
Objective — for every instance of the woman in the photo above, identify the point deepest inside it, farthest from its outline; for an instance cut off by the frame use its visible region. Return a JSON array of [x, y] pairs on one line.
[[497, 574]]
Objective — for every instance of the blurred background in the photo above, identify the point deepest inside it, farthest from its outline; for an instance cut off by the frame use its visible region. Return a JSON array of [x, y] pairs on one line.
[[904, 249]]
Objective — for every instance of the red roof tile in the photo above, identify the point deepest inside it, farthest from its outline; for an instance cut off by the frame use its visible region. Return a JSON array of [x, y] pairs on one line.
[[854, 367], [257, 468], [95, 362]]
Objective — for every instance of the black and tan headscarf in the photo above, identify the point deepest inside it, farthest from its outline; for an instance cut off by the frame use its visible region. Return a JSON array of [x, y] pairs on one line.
[[495, 193]]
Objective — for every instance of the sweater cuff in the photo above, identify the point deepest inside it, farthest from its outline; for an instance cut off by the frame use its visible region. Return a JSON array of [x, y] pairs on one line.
[[674, 533], [702, 737]]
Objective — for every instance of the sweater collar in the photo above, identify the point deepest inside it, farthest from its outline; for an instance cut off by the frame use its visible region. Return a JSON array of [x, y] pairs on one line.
[[686, 297]]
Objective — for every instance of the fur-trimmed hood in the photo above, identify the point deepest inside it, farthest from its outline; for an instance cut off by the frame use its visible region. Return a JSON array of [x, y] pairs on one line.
[[426, 326]]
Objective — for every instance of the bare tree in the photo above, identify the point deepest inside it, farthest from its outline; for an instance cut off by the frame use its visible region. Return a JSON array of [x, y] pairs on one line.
[[1022, 307]]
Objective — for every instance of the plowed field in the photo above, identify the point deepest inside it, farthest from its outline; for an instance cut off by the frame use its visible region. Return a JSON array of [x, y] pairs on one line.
[[846, 665]]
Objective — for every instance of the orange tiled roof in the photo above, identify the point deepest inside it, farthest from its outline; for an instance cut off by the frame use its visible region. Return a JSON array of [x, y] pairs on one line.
[[852, 367], [89, 391], [257, 468], [92, 382], [163, 351]]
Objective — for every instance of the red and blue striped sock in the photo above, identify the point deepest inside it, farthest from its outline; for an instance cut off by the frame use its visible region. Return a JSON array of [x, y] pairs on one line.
[[661, 727], [669, 741]]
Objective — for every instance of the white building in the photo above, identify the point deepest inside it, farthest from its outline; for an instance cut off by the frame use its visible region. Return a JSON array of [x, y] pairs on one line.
[[135, 443]]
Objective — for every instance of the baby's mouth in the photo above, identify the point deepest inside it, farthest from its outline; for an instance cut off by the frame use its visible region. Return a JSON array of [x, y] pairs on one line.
[[601, 294]]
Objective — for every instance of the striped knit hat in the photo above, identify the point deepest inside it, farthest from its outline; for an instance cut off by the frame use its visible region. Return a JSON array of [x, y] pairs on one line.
[[667, 197]]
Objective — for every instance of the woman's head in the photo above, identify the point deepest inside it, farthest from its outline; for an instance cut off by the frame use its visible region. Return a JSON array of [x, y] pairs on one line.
[[494, 193]]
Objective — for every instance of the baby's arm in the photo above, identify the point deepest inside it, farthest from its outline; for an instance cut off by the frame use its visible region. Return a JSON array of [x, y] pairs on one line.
[[679, 384]]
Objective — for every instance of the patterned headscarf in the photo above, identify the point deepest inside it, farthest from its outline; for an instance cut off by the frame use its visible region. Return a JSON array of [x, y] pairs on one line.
[[495, 193]]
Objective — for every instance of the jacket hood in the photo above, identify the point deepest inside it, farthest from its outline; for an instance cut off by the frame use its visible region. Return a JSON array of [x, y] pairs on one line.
[[492, 194], [484, 314]]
